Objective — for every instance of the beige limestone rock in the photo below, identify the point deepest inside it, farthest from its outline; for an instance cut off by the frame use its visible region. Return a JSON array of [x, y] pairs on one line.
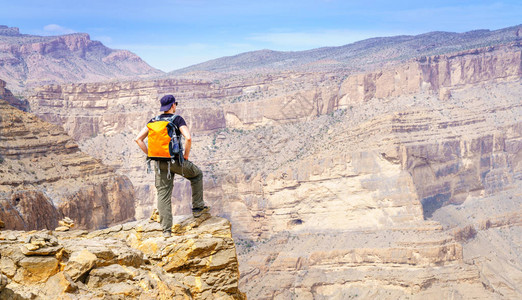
[[30, 249], [59, 284], [444, 94], [436, 73], [7, 267], [65, 223], [79, 264], [110, 274], [62, 228], [457, 147], [121, 289], [102, 265], [155, 216], [34, 269]]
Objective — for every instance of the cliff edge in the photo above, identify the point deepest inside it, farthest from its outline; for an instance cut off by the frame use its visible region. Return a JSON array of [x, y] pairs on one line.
[[132, 260]]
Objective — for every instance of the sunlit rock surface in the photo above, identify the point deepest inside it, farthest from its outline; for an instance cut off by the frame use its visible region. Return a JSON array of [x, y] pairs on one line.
[[131, 260]]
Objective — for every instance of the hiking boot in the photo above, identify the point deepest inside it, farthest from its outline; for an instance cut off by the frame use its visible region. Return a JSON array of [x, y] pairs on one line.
[[198, 212], [167, 234]]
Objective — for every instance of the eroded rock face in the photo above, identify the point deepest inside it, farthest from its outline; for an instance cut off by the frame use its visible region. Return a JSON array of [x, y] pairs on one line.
[[333, 183], [108, 115], [114, 107], [44, 177], [33, 60], [463, 151], [132, 260], [8, 96], [435, 73]]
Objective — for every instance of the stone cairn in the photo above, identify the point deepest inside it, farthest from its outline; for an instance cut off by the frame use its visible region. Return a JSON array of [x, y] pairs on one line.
[[65, 224]]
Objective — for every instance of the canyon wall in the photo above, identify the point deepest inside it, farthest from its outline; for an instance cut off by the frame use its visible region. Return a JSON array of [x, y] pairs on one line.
[[301, 96], [45, 176], [340, 185], [111, 113], [388, 231], [436, 73]]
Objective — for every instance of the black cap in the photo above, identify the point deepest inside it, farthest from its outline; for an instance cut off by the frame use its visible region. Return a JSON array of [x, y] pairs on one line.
[[166, 102]]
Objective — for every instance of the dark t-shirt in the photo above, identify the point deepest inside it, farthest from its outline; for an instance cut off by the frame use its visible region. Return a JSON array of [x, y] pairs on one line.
[[178, 121]]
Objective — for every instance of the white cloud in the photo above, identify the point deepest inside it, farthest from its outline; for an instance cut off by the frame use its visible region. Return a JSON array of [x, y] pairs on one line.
[[54, 29]]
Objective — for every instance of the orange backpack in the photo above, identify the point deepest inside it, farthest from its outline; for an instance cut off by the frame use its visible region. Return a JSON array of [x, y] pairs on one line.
[[164, 142]]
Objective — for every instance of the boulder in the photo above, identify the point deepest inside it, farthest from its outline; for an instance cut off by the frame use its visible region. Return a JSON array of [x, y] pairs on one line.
[[79, 264]]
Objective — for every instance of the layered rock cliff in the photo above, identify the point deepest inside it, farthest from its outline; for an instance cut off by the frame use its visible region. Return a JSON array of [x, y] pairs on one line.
[[8, 96], [110, 114], [28, 60], [274, 99], [131, 260], [340, 183], [357, 210], [44, 176]]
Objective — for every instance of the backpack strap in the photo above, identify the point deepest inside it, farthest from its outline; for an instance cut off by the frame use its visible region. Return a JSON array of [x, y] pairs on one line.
[[171, 120], [181, 159], [148, 166]]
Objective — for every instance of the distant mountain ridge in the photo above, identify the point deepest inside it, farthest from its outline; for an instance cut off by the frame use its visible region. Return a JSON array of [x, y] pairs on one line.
[[359, 56], [29, 60]]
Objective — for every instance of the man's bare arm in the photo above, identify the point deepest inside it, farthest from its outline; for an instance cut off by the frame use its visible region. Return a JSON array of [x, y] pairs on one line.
[[140, 139], [188, 140]]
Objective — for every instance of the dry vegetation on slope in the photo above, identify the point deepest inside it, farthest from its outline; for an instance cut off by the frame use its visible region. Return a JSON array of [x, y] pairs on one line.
[[360, 56]]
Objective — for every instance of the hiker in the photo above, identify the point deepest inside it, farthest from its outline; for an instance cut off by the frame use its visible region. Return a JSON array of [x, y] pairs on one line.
[[165, 168]]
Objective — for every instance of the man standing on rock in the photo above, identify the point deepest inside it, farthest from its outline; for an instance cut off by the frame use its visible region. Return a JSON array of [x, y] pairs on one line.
[[165, 169]]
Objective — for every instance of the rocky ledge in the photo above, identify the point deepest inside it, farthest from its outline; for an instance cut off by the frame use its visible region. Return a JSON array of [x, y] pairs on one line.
[[130, 260]]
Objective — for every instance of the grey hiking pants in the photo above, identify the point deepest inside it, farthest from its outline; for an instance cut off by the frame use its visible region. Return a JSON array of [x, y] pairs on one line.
[[164, 184]]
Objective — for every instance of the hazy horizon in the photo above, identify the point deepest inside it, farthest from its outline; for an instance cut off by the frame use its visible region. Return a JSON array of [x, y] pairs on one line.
[[173, 34]]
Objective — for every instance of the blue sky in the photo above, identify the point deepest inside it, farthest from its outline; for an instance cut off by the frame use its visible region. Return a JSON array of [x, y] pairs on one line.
[[171, 34]]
